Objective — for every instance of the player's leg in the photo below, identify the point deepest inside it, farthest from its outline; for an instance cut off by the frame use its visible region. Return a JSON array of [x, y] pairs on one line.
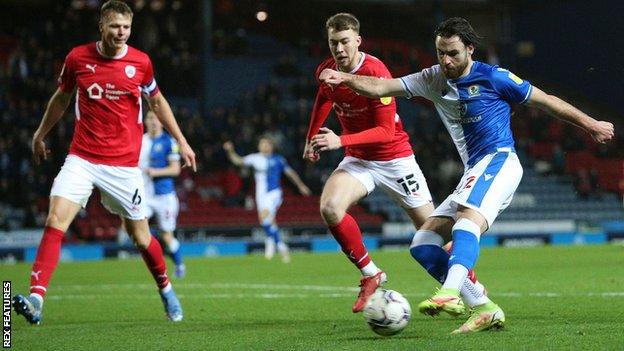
[[267, 211], [272, 233], [426, 249], [341, 190], [70, 191], [123, 193], [60, 215], [166, 215], [152, 254]]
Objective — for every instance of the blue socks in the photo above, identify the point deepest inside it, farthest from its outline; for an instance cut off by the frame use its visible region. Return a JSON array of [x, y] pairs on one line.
[[272, 231], [465, 244], [433, 258]]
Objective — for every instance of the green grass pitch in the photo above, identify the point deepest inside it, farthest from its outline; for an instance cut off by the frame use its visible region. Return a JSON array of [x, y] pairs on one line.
[[555, 298]]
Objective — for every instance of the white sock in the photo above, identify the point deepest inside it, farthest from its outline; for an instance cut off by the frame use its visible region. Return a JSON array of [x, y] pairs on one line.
[[473, 294], [38, 298], [174, 245], [282, 248], [370, 269], [166, 289], [455, 277]]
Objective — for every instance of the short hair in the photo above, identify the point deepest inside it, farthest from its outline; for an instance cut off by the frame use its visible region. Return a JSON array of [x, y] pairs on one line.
[[460, 27], [115, 6], [343, 21]]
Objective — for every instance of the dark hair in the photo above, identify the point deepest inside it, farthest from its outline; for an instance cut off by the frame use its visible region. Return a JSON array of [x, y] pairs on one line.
[[460, 27], [343, 21], [115, 6]]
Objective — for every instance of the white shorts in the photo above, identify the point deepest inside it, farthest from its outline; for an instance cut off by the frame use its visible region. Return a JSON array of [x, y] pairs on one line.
[[487, 187], [166, 207], [400, 178], [270, 201], [121, 188]]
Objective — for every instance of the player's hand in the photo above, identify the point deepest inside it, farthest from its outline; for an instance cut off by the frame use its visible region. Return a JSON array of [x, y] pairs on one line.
[[39, 150], [325, 140], [188, 155], [331, 77], [228, 146], [309, 154], [602, 131], [304, 190]]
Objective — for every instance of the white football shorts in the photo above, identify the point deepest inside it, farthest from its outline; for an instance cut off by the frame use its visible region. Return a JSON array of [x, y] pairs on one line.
[[486, 187], [121, 188], [166, 208], [270, 201], [400, 178]]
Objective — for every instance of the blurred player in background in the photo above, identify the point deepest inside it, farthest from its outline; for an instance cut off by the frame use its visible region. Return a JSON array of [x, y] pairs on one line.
[[377, 151], [108, 77], [160, 163], [473, 99], [268, 168]]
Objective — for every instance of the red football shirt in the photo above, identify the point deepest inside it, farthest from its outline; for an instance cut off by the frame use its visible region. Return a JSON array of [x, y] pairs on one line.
[[371, 128], [109, 116]]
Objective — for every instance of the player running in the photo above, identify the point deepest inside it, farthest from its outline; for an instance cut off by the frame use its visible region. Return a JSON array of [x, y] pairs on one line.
[[268, 168], [160, 162], [377, 151], [473, 100], [108, 77]]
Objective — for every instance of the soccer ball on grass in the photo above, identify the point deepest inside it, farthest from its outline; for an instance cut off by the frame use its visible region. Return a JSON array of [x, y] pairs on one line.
[[387, 312]]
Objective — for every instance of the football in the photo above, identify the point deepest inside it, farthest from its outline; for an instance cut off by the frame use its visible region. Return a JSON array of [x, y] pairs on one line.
[[387, 312]]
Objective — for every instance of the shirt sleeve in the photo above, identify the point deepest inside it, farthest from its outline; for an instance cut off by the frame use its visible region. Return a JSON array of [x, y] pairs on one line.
[[384, 114], [249, 160], [418, 84], [320, 111], [511, 87], [285, 165], [174, 151], [148, 85], [67, 78]]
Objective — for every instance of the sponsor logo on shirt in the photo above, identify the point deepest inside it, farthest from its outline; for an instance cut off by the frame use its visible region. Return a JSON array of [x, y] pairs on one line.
[[386, 100], [515, 78]]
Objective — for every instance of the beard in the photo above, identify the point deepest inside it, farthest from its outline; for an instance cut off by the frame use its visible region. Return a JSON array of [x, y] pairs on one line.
[[454, 72]]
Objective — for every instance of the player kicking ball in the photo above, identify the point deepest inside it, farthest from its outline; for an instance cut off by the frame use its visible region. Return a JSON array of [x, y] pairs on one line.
[[473, 100], [108, 77]]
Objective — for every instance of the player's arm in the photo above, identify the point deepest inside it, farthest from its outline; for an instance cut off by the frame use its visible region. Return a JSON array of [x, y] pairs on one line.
[[54, 111], [234, 157], [364, 85], [320, 111], [295, 179], [601, 131], [163, 111], [172, 170]]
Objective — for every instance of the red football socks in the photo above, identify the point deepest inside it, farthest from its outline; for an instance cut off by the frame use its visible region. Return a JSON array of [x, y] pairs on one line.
[[155, 262], [47, 258], [348, 235]]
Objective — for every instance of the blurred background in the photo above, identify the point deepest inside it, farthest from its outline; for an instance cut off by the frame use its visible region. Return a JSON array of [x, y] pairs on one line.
[[236, 69]]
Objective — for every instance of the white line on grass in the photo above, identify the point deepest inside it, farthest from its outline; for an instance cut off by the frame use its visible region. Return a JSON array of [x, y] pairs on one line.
[[310, 291]]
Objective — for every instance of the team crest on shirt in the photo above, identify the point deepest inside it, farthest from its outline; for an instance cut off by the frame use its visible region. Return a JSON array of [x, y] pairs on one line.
[[474, 90], [386, 100], [130, 71]]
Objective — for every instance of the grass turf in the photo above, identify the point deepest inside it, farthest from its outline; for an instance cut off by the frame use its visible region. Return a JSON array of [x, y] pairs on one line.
[[555, 298]]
